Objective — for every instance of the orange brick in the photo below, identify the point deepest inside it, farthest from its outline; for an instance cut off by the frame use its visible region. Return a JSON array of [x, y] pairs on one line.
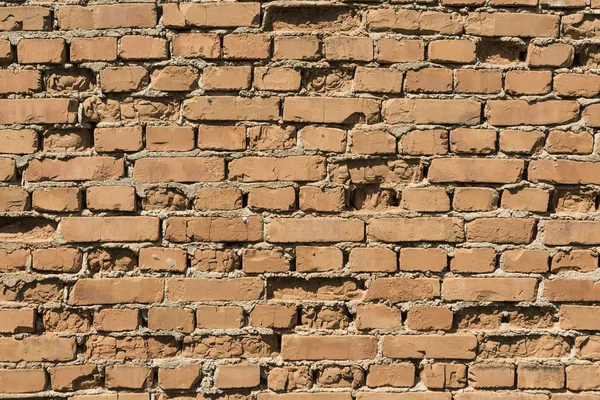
[[41, 51]]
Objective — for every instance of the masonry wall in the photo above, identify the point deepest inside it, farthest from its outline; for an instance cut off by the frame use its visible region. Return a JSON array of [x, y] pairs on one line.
[[300, 200]]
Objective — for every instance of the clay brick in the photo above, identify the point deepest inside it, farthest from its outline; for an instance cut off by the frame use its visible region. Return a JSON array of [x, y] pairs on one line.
[[23, 141], [111, 198], [262, 261], [22, 380], [312, 198], [425, 199], [93, 49], [491, 376], [25, 18], [25, 81], [581, 377], [528, 82], [107, 16], [180, 169], [245, 46], [403, 289], [296, 47], [198, 289], [180, 377], [512, 24], [478, 81], [417, 229], [576, 260], [237, 376], [349, 347], [527, 199], [116, 320], [378, 316], [429, 80], [444, 375], [489, 289], [391, 375], [521, 142], [451, 51], [57, 199], [273, 316], [277, 79], [332, 110], [142, 48], [17, 320], [519, 112], [162, 259], [373, 142], [172, 319], [568, 289], [211, 15], [278, 199], [426, 318], [117, 290], [373, 260], [41, 51], [319, 258], [47, 347], [525, 260], [264, 169], [226, 78], [57, 260], [123, 79], [472, 141], [456, 346], [535, 376], [473, 260], [128, 376], [424, 142], [471, 170], [118, 139], [391, 51], [169, 138], [433, 111], [475, 199], [204, 45], [418, 259], [289, 230], [219, 317], [221, 137], [64, 141], [559, 142], [74, 377], [106, 229], [175, 78], [229, 108], [225, 229], [221, 198], [501, 230], [342, 48], [552, 55], [323, 139], [14, 199], [38, 111]]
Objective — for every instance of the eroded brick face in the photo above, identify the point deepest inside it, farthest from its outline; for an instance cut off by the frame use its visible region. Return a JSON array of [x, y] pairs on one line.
[[299, 200]]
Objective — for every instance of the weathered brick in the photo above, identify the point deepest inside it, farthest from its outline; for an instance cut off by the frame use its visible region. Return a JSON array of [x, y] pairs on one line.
[[107, 16], [456, 346], [489, 289], [110, 229], [116, 291]]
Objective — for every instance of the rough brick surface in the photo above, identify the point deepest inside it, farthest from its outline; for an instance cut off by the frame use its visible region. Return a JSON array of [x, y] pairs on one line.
[[299, 200]]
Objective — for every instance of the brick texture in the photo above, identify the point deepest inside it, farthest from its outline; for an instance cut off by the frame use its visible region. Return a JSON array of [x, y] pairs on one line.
[[299, 200]]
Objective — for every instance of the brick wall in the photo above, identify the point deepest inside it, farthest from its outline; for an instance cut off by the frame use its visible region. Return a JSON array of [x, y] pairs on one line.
[[299, 200]]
